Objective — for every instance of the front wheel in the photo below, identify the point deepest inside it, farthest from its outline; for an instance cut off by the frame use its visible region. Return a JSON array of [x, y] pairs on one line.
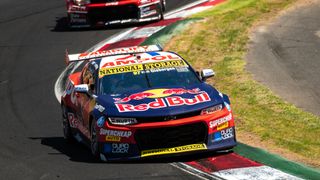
[[67, 134], [163, 5], [94, 140], [160, 11]]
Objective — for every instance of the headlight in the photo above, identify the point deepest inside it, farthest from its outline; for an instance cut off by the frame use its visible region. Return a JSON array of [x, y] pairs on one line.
[[122, 121], [81, 2], [212, 109]]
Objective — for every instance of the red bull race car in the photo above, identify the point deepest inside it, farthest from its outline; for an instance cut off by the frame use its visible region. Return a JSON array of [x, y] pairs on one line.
[[93, 13], [138, 102]]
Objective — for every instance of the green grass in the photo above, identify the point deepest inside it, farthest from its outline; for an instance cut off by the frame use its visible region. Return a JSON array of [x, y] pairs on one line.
[[220, 42]]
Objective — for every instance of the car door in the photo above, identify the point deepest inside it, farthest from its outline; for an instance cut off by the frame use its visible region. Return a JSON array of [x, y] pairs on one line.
[[86, 102]]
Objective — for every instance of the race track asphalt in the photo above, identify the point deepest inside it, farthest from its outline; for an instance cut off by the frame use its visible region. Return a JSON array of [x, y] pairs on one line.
[[285, 56], [32, 44]]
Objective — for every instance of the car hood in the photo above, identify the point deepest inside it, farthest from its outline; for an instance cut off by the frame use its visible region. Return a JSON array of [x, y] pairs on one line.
[[160, 101]]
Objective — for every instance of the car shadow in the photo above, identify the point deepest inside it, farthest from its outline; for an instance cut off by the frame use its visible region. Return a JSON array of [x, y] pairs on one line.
[[75, 151], [78, 152], [62, 26]]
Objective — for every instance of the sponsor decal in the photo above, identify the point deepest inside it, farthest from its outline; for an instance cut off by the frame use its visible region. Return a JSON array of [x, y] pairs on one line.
[[122, 121], [158, 93], [120, 148], [217, 122], [179, 149], [113, 138], [72, 120], [101, 121], [117, 133], [99, 107], [80, 9], [156, 70], [81, 88], [164, 102], [111, 3], [147, 12], [74, 123], [164, 64], [121, 69], [223, 126], [223, 134], [136, 68], [132, 59], [135, 49]]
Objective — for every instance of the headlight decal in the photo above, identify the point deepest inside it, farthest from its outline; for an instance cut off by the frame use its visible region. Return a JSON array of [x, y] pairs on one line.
[[122, 121], [212, 110]]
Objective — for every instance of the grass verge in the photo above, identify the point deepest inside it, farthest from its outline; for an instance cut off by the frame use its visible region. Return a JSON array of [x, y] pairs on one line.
[[220, 42]]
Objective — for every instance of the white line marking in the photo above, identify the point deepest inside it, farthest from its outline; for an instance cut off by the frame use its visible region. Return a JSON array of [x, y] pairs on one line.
[[193, 171], [189, 12], [186, 7], [254, 173]]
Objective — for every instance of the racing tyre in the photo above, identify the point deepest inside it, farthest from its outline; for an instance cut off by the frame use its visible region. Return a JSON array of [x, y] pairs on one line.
[[94, 144], [160, 9], [163, 5], [68, 24], [67, 134]]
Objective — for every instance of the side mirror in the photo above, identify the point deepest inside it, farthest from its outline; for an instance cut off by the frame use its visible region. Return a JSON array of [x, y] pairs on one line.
[[207, 73], [81, 88]]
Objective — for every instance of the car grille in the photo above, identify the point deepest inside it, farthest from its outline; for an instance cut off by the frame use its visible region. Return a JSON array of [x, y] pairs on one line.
[[167, 137], [167, 118], [112, 13]]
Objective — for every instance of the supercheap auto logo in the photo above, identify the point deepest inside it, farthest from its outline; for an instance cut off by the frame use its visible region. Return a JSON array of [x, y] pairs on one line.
[[163, 98]]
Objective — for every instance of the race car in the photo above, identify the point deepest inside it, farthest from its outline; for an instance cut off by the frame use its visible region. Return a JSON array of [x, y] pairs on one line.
[[95, 13], [140, 102]]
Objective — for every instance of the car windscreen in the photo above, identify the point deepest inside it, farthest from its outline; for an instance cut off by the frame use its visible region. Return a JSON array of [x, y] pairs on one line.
[[141, 76]]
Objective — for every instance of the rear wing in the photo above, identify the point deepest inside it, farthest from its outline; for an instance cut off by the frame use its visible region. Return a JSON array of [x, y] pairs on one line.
[[111, 52]]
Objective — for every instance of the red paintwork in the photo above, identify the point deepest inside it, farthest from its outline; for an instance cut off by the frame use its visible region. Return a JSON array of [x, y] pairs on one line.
[[124, 43], [177, 122], [165, 22], [75, 78], [70, 3], [222, 162]]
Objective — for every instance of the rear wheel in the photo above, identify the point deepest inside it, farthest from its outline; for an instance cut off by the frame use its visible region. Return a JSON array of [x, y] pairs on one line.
[[94, 140], [67, 134]]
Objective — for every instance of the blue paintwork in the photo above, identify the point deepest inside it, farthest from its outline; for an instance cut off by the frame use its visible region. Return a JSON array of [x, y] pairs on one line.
[[109, 103]]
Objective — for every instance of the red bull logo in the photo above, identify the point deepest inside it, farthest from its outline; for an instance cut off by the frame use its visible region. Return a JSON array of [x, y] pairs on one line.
[[158, 93], [164, 102]]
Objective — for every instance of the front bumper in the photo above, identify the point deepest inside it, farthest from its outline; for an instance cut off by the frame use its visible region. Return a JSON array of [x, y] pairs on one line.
[[104, 14], [194, 134]]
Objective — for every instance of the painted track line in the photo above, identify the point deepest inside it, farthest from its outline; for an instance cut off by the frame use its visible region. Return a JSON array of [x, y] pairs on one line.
[[196, 172]]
